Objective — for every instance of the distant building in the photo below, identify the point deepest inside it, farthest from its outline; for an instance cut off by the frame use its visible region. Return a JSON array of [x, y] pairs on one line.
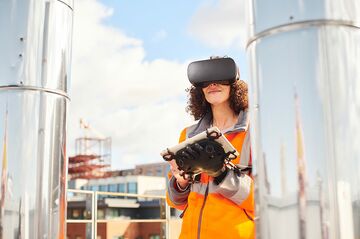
[[153, 169], [138, 184], [144, 179], [124, 208]]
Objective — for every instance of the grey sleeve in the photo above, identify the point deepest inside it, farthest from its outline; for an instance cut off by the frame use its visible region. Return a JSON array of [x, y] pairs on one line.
[[178, 198], [236, 188]]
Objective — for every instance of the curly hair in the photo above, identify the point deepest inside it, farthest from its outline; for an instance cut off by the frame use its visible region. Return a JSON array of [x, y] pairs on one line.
[[197, 106]]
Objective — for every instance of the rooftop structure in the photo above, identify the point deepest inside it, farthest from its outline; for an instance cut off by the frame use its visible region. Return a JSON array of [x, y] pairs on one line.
[[93, 155]]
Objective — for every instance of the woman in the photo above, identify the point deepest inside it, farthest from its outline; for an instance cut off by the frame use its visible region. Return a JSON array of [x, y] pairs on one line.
[[220, 207]]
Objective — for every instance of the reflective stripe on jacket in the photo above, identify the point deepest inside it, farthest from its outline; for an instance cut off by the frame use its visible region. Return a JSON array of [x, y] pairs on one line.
[[218, 211]]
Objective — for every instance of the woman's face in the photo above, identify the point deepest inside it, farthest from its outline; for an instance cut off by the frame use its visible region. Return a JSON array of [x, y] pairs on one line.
[[216, 94]]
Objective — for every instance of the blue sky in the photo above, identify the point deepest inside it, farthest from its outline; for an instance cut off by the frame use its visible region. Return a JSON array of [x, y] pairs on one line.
[[129, 68], [163, 26]]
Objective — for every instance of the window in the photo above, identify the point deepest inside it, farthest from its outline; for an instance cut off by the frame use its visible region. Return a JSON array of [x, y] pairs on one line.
[[159, 172], [94, 188], [103, 188], [111, 213], [112, 188], [76, 213], [101, 213], [121, 188], [132, 187]]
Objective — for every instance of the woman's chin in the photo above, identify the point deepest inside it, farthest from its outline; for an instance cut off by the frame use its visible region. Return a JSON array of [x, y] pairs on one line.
[[216, 102]]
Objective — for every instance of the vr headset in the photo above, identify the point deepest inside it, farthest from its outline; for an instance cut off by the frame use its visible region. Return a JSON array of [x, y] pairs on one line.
[[212, 70]]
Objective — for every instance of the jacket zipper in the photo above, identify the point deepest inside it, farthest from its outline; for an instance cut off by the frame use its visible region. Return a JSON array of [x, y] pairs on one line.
[[202, 209], [183, 212]]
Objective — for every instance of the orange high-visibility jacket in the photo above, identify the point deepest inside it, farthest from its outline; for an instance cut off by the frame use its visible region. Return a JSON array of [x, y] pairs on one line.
[[217, 211]]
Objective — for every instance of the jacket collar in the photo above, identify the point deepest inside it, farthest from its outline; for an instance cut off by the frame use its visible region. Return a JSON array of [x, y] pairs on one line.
[[205, 122]]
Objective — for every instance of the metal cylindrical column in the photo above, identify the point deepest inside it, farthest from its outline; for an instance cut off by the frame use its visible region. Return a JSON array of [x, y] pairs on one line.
[[35, 54], [305, 110]]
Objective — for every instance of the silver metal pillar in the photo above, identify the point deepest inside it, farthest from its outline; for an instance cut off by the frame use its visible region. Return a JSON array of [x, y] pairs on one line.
[[305, 109], [35, 53]]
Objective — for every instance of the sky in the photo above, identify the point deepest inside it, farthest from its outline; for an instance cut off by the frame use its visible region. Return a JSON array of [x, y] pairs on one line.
[[129, 64]]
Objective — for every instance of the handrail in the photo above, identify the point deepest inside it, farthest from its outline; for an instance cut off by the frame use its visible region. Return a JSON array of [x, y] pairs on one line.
[[80, 191], [130, 195], [94, 220], [79, 220], [130, 220]]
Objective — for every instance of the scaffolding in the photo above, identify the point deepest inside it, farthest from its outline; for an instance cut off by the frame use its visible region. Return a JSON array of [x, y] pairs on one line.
[[92, 155]]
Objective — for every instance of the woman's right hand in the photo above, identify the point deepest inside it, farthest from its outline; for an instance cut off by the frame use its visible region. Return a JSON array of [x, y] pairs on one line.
[[182, 182]]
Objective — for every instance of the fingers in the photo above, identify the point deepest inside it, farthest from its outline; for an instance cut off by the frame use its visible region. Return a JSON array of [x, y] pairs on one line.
[[173, 167], [192, 151], [173, 164], [178, 174], [185, 161], [198, 148]]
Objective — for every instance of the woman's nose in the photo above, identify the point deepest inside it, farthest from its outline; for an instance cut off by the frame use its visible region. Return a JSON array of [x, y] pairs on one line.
[[213, 84]]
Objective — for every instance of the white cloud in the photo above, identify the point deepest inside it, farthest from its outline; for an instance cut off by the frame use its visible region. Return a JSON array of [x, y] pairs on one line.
[[139, 103], [160, 35], [221, 23]]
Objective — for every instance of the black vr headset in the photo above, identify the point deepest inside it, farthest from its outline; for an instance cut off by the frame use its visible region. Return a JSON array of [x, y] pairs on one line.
[[212, 70]]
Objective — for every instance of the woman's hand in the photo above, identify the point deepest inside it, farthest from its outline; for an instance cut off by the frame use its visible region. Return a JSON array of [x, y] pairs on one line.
[[182, 182]]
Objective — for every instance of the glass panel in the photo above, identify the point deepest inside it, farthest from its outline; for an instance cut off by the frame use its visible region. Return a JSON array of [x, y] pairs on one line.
[[117, 207], [132, 187], [175, 227], [103, 188], [113, 188], [122, 188], [131, 230], [79, 206], [79, 231]]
